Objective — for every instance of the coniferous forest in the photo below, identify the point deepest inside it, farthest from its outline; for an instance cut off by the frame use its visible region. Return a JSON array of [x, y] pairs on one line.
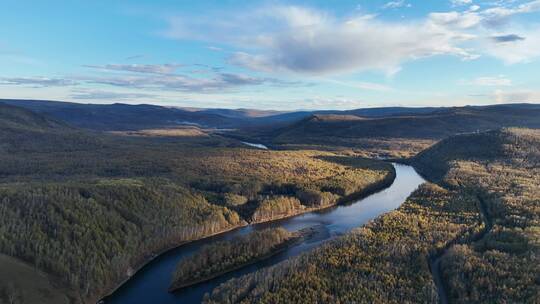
[[85, 209], [218, 258], [88, 208], [472, 237], [270, 152]]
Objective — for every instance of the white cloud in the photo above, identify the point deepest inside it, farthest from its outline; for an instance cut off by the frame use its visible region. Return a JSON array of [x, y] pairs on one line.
[[363, 85], [319, 44], [167, 68], [396, 4], [176, 82], [371, 86], [461, 2], [308, 41], [456, 20], [98, 94], [319, 102], [500, 13], [153, 77], [522, 47], [474, 8], [519, 96], [167, 76], [37, 81], [491, 81], [133, 57]]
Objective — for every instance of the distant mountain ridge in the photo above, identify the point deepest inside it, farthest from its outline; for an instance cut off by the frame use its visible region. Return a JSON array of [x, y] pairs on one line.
[[16, 118], [402, 122], [25, 130], [118, 116], [437, 124]]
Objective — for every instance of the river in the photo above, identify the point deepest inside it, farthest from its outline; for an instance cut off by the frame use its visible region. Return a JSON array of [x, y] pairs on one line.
[[150, 284], [258, 146]]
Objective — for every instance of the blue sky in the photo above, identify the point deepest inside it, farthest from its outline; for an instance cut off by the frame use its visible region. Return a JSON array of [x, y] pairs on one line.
[[272, 54]]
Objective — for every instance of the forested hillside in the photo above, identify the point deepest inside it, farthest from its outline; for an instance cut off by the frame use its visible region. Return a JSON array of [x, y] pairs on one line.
[[504, 265], [137, 117], [221, 257], [400, 135], [385, 261], [89, 208], [478, 236], [108, 117]]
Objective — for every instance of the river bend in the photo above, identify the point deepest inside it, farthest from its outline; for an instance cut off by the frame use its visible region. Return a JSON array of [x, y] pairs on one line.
[[150, 284]]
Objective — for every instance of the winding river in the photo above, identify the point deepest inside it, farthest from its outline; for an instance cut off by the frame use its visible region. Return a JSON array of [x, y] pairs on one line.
[[150, 284]]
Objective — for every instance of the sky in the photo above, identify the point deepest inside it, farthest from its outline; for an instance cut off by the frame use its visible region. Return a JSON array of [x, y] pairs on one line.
[[280, 55]]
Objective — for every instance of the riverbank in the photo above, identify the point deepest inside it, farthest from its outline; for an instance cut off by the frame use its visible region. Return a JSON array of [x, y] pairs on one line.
[[384, 261], [153, 256], [296, 237], [151, 284], [387, 181]]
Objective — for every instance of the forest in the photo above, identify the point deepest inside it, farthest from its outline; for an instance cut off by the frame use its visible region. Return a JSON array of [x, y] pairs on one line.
[[400, 134], [504, 265], [225, 256], [385, 261], [89, 208], [481, 220]]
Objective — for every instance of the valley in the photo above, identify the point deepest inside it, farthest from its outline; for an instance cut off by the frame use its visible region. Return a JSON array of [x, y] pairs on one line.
[[479, 224], [91, 208], [151, 283], [270, 152], [110, 213]]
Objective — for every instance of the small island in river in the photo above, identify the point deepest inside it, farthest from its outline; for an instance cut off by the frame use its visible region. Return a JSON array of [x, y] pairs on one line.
[[217, 259]]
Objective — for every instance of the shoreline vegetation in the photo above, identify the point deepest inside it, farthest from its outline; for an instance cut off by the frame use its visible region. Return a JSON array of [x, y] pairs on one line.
[[151, 257], [379, 186], [480, 222], [384, 261], [91, 208], [220, 258]]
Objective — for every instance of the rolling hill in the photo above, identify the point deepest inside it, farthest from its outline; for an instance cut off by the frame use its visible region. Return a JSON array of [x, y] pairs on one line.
[[501, 167], [392, 132], [24, 130], [482, 222], [513, 146], [124, 117], [108, 117], [434, 125], [87, 208]]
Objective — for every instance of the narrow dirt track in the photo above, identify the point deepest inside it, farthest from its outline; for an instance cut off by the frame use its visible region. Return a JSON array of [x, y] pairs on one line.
[[435, 261]]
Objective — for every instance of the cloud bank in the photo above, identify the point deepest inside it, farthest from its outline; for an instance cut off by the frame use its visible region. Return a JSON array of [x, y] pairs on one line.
[[37, 81], [307, 41]]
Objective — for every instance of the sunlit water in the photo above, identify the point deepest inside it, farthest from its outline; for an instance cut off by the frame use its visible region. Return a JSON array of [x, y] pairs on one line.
[[150, 284], [259, 146]]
